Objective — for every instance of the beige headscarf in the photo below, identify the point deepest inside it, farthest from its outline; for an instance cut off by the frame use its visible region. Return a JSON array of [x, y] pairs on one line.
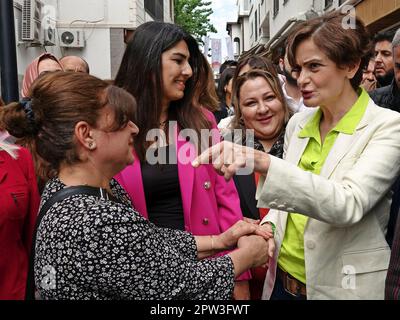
[[32, 72]]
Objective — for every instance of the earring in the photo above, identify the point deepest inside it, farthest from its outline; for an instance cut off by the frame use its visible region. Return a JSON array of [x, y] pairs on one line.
[[90, 145]]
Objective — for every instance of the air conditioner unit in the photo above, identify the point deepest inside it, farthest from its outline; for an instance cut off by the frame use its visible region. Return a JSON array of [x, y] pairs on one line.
[[31, 21], [49, 36], [72, 38]]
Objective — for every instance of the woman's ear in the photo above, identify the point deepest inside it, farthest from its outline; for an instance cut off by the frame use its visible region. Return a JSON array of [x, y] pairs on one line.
[[352, 69], [84, 135]]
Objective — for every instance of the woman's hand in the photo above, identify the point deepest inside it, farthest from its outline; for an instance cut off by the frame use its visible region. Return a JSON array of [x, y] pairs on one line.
[[228, 158], [230, 237], [257, 247], [252, 221], [267, 228], [369, 85]]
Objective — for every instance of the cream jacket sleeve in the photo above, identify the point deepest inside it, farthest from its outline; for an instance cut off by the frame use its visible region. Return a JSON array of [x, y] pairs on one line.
[[354, 185]]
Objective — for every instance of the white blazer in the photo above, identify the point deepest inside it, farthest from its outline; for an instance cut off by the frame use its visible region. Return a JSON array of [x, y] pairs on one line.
[[346, 255]]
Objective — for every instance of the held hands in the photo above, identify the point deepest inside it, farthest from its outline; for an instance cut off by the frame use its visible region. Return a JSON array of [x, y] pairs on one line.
[[257, 247], [228, 158], [230, 237], [267, 228]]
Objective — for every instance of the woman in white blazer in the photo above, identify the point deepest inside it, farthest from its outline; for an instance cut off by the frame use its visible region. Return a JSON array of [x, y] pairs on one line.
[[331, 195]]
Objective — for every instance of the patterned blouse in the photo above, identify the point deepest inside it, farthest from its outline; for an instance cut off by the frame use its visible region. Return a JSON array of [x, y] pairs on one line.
[[92, 248]]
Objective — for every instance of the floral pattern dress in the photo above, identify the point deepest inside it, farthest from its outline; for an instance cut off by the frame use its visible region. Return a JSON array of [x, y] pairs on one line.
[[93, 248]]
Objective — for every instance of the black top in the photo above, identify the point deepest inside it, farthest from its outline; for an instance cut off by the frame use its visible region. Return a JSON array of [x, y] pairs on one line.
[[162, 191], [387, 97], [221, 113], [90, 248], [246, 184]]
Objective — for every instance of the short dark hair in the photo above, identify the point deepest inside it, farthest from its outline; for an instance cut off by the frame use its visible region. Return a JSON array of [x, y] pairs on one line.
[[227, 64], [384, 36], [345, 47]]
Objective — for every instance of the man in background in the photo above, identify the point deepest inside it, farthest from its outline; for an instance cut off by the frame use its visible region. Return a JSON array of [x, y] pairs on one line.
[[390, 98], [384, 58], [75, 63]]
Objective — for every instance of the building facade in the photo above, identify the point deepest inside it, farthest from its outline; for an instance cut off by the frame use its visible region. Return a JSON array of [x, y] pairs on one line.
[[99, 29], [269, 22]]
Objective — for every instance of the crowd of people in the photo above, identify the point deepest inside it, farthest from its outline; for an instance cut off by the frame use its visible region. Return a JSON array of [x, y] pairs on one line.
[[111, 190]]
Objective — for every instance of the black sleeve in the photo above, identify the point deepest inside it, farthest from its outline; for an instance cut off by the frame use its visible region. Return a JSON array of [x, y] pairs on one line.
[[137, 260]]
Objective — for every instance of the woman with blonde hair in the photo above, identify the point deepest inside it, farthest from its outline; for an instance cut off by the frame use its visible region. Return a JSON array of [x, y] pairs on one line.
[[261, 116]]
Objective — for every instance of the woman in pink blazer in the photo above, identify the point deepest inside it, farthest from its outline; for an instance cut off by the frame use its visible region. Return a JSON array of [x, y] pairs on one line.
[[161, 68]]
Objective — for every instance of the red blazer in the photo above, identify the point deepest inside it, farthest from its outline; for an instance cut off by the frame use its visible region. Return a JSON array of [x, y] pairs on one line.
[[210, 204], [19, 204]]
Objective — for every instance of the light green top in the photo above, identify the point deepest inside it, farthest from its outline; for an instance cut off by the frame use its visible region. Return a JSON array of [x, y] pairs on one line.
[[291, 256]]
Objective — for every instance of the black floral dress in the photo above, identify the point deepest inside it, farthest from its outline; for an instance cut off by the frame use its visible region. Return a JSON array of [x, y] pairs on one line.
[[92, 248]]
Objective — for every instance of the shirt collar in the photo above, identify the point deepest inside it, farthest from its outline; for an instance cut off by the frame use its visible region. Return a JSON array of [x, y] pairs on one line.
[[347, 124]]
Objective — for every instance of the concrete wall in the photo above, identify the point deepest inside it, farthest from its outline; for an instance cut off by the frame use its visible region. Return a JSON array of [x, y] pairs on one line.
[[291, 9]]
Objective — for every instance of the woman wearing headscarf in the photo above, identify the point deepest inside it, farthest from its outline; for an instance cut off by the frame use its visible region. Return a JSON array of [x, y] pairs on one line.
[[46, 62]]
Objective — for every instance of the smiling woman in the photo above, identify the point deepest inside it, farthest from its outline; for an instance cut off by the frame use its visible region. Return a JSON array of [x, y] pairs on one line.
[[161, 67], [90, 243]]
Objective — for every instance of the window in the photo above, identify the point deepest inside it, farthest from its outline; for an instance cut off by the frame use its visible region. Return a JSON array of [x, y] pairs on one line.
[[246, 5], [237, 46], [155, 8], [276, 7], [285, 1], [328, 3], [256, 26]]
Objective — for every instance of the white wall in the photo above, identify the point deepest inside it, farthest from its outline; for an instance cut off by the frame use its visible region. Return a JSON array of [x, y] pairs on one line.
[[246, 31], [102, 21], [290, 10]]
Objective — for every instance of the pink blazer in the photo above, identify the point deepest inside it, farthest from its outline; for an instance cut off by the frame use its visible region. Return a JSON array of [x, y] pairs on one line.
[[210, 204]]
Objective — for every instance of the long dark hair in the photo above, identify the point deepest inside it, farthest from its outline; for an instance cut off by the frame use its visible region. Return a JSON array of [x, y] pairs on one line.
[[226, 76], [140, 74]]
